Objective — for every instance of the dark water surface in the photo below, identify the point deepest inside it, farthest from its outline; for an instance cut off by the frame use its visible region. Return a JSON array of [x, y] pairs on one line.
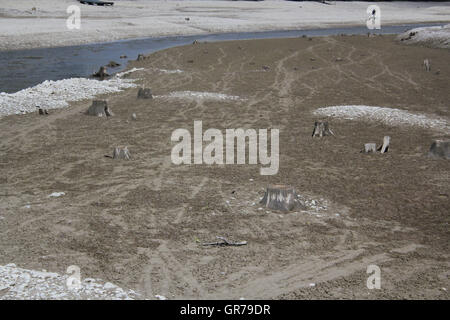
[[25, 68]]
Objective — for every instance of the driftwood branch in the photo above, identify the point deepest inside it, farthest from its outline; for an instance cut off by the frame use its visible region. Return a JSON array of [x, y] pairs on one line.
[[224, 242]]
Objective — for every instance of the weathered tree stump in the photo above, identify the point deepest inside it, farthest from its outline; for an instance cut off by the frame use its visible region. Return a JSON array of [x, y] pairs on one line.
[[426, 65], [140, 57], [120, 153], [321, 128], [99, 108], [101, 73], [42, 111], [280, 197], [440, 149], [385, 146], [370, 147], [145, 93]]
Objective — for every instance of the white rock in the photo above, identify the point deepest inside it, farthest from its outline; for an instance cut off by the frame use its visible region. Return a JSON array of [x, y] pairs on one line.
[[109, 285], [56, 194]]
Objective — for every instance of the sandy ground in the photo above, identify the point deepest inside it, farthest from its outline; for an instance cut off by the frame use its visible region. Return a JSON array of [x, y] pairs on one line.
[[22, 27], [139, 223]]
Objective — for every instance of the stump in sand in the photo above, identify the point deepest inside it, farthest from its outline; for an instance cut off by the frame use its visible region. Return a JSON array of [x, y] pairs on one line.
[[370, 147], [385, 146], [42, 111], [440, 149], [321, 128], [101, 73], [120, 153], [145, 93], [280, 197], [426, 65], [99, 108]]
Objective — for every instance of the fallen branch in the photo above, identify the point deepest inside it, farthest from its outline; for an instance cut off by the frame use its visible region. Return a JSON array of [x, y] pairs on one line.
[[224, 242]]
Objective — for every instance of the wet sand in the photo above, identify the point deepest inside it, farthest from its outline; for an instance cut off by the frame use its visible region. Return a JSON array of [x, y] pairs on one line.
[[139, 223]]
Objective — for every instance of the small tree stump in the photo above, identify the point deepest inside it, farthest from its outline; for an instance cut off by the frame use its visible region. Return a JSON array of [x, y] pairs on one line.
[[99, 108], [426, 65], [145, 93], [42, 111], [140, 57], [440, 149], [121, 153], [321, 128], [370, 147], [385, 146], [101, 73], [280, 197]]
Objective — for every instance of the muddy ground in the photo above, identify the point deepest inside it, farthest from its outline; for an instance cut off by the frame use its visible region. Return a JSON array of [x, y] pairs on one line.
[[139, 223]]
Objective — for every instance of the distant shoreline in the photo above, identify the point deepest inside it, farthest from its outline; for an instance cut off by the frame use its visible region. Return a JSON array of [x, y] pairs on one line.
[[46, 23]]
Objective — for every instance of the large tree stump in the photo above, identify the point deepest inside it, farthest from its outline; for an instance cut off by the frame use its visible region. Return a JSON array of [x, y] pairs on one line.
[[280, 197], [120, 153], [99, 108], [440, 149], [101, 73], [145, 93], [321, 128], [385, 146]]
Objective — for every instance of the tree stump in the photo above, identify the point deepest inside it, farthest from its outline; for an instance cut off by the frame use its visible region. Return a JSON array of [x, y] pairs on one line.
[[42, 111], [440, 149], [280, 197], [321, 128], [120, 153], [140, 57], [145, 93], [370, 147], [385, 146], [101, 73], [99, 108], [426, 65]]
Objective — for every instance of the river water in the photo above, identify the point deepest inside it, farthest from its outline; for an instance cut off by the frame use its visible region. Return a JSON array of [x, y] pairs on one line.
[[25, 68]]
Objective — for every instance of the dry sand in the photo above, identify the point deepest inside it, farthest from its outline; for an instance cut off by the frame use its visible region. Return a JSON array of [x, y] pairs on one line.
[[22, 27], [138, 223]]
